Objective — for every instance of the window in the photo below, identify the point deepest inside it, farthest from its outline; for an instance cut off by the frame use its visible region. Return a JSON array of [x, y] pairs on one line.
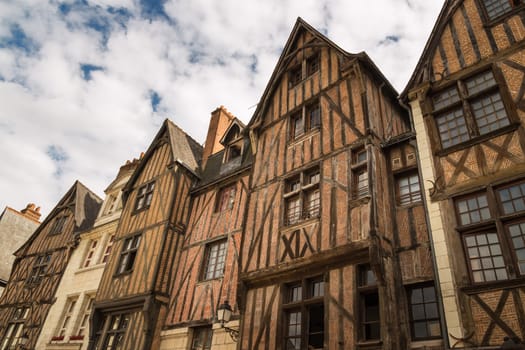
[[111, 204], [58, 225], [84, 318], [144, 196], [312, 65], [115, 328], [107, 251], [424, 314], [369, 319], [39, 268], [303, 309], [360, 173], [15, 329], [302, 197], [306, 119], [295, 76], [214, 260], [226, 198], [128, 254], [497, 8], [493, 236], [201, 338], [475, 101], [408, 188], [66, 318], [91, 252], [232, 152]]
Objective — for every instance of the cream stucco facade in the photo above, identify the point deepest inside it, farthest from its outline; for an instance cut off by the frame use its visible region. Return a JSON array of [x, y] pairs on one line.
[[67, 324], [181, 338]]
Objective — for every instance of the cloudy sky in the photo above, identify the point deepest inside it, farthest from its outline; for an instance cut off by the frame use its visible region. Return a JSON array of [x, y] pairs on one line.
[[85, 84]]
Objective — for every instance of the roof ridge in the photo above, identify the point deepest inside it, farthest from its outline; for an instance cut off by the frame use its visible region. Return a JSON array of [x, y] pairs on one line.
[[184, 132]]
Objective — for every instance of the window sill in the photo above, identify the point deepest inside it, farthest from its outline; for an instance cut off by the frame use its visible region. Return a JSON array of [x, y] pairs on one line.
[[301, 222], [357, 202], [90, 268], [476, 140], [476, 288], [369, 344], [122, 274], [304, 136], [138, 211], [203, 282], [410, 205]]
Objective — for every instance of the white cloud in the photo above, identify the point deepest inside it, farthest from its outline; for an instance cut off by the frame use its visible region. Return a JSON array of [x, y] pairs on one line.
[[209, 53]]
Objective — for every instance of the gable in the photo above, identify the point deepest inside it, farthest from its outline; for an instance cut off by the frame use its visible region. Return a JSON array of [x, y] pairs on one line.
[[465, 36]]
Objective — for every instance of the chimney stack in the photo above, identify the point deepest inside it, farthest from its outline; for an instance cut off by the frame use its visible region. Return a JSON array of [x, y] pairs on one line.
[[219, 122], [32, 212]]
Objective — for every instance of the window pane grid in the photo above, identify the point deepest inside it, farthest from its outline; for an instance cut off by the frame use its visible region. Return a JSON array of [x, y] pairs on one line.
[[409, 189], [452, 128], [302, 197], [473, 210], [446, 98], [512, 199], [490, 113], [424, 313], [215, 260], [517, 235], [496, 8], [485, 256]]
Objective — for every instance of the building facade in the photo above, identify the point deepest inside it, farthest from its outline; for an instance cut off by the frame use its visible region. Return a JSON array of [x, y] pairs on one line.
[[335, 249], [132, 300], [15, 228], [39, 266], [466, 97], [67, 324]]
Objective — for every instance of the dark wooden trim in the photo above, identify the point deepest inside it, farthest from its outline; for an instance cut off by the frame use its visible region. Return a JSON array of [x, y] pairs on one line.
[[470, 31], [457, 44], [352, 253]]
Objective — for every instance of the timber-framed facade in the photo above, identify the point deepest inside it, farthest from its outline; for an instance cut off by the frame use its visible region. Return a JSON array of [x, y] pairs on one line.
[[466, 97]]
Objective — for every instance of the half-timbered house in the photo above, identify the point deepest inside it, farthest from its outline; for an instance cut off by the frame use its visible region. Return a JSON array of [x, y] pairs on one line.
[[207, 267], [467, 101], [335, 250], [67, 325], [132, 300], [39, 266]]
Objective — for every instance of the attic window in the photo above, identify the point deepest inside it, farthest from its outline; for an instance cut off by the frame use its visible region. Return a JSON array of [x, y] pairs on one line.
[[494, 9], [232, 152], [312, 65], [295, 76]]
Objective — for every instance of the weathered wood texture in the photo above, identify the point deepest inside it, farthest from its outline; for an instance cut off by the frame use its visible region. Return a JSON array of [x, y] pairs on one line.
[[194, 299]]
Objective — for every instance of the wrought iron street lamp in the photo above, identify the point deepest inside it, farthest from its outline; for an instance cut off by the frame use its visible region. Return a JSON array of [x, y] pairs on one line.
[[224, 314]]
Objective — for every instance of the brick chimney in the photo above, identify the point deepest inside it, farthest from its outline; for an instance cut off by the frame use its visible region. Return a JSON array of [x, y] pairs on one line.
[[219, 122], [31, 212]]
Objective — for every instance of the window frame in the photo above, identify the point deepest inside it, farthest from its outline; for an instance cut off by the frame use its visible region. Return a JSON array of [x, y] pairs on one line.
[[303, 303], [305, 119], [297, 189], [106, 331], [464, 104], [414, 197], [89, 258], [130, 247], [359, 167], [367, 287], [14, 329], [214, 261], [58, 225], [426, 320], [82, 328], [108, 248], [39, 268], [499, 223], [225, 199], [205, 333], [304, 69], [65, 319], [516, 5], [144, 197]]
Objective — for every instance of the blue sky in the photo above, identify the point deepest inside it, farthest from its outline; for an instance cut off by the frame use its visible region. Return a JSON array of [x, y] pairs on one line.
[[85, 84]]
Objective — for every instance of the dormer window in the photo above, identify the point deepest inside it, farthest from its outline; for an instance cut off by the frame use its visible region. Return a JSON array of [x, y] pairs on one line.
[[232, 142], [494, 9]]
